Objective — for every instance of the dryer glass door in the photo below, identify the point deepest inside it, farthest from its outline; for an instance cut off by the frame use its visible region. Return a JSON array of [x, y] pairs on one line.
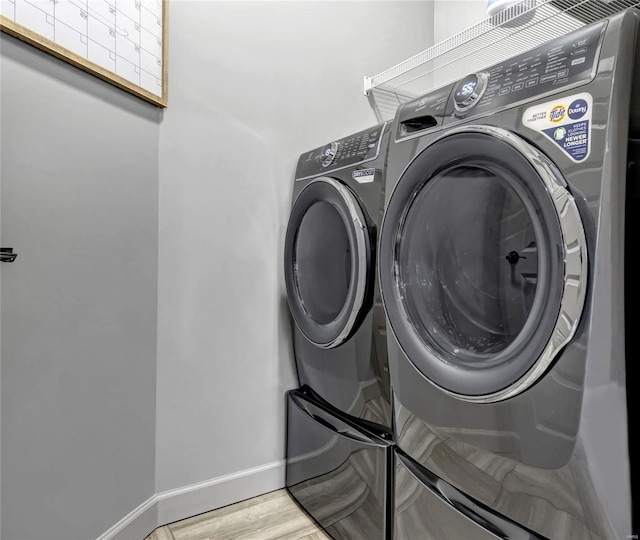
[[328, 262], [483, 263]]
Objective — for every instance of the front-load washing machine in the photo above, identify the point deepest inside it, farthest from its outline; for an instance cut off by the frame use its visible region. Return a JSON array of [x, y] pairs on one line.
[[506, 270], [339, 440]]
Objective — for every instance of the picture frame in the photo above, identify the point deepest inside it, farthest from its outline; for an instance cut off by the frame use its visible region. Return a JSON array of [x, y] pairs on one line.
[[123, 42]]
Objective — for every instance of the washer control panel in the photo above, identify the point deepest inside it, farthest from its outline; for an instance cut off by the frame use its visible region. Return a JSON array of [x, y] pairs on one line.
[[568, 60], [562, 62], [347, 152]]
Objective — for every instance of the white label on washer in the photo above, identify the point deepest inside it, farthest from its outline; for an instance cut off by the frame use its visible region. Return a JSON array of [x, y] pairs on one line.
[[566, 121], [364, 176]]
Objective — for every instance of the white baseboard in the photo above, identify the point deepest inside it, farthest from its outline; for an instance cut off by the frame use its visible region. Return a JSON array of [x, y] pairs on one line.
[[181, 503], [176, 504], [137, 524]]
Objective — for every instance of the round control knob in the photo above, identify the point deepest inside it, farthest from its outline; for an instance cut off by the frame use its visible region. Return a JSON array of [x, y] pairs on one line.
[[469, 91], [329, 154]]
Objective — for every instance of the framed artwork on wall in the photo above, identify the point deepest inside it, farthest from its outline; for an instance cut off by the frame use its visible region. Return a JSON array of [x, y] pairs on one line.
[[124, 42]]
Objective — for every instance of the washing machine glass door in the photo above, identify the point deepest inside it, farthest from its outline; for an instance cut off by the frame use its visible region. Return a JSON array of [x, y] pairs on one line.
[[328, 262], [482, 263]]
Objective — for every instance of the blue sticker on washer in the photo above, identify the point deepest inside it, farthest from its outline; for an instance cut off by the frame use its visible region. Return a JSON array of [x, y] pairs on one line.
[[573, 138], [566, 121]]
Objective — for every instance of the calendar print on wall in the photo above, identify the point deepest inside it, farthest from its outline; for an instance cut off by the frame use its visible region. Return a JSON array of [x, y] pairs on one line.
[[123, 42]]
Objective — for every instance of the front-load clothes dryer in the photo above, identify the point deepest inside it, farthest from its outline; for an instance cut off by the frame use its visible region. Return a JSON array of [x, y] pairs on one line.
[[329, 267], [506, 269], [339, 438]]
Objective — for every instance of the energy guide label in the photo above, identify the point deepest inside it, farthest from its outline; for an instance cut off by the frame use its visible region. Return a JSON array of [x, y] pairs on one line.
[[567, 121]]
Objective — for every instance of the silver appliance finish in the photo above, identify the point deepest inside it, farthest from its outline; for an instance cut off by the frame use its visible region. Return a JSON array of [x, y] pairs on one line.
[[544, 444]]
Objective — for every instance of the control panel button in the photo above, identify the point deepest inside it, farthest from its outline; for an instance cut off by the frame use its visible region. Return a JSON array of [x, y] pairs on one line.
[[328, 154], [469, 91]]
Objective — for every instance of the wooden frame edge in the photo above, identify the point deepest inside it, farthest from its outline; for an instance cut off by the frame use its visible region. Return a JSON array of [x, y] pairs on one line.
[[29, 36]]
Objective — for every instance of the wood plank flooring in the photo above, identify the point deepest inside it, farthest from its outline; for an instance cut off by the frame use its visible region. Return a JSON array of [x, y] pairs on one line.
[[271, 516]]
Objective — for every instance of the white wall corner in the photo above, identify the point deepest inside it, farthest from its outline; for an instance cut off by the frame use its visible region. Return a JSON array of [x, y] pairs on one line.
[[137, 524], [187, 501], [181, 503]]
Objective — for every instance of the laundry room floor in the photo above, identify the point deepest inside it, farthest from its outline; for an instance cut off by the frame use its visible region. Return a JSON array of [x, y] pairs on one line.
[[271, 516]]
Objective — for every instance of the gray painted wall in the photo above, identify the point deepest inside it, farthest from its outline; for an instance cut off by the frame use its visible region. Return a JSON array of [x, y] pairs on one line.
[[453, 16], [80, 204], [253, 85]]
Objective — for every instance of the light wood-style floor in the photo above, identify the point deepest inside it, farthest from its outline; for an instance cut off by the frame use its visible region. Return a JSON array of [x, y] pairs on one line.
[[271, 516]]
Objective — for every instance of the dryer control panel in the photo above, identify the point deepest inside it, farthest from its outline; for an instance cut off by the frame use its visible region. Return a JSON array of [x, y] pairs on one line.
[[562, 62], [348, 152]]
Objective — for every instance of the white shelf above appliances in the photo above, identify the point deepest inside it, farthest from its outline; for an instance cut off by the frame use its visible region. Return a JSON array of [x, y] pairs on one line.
[[523, 26]]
